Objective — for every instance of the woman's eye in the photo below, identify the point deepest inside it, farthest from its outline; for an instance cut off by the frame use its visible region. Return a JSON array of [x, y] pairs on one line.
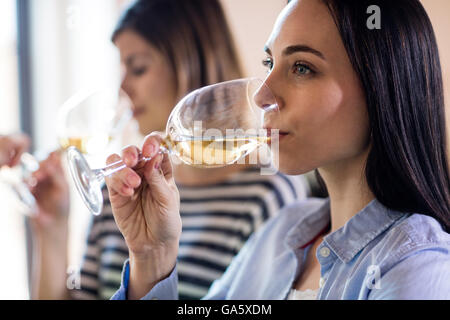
[[268, 63], [301, 69], [139, 71]]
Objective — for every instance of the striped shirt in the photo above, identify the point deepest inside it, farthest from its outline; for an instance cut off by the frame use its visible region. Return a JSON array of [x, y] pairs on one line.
[[217, 220]]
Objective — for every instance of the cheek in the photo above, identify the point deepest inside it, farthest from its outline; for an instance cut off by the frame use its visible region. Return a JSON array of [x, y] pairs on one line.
[[158, 90], [342, 118], [330, 123], [323, 104], [349, 122], [316, 106], [157, 95]]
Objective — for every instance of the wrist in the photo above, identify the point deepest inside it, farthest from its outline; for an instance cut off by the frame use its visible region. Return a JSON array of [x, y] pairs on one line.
[[149, 269], [50, 223], [55, 237], [155, 265]]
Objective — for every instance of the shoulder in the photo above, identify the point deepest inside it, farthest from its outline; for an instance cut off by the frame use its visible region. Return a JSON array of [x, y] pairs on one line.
[[418, 260], [417, 233]]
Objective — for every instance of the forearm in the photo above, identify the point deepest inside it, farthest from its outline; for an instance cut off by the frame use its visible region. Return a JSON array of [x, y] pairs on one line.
[[49, 266]]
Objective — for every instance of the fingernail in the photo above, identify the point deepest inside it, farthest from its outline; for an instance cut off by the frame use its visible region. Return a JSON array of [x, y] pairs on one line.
[[131, 159], [152, 148], [132, 179]]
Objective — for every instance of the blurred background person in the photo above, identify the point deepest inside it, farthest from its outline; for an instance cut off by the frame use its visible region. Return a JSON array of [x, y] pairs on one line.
[[167, 49]]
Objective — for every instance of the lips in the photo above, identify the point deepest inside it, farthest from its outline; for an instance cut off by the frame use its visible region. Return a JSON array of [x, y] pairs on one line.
[[280, 133]]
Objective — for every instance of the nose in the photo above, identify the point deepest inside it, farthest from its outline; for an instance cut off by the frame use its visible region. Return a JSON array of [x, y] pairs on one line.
[[125, 84], [264, 98]]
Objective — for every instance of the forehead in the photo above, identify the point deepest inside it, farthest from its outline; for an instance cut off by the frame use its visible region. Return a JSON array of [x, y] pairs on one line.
[[130, 42], [307, 22]]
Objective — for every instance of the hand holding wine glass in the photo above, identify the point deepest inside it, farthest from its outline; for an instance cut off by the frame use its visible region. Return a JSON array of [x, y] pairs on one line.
[[143, 194], [146, 205], [51, 191], [89, 120]]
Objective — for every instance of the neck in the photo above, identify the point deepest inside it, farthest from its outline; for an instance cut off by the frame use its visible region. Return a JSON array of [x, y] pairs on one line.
[[348, 189], [191, 176]]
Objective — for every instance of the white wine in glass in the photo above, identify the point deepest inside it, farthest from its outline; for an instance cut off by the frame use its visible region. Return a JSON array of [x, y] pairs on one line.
[[216, 152]]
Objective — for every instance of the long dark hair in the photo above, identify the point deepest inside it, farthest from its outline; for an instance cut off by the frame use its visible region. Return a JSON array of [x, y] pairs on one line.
[[398, 65], [193, 34]]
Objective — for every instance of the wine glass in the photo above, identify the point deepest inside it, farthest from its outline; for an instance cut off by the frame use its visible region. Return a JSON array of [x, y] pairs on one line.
[[211, 127], [89, 120], [92, 118], [15, 178]]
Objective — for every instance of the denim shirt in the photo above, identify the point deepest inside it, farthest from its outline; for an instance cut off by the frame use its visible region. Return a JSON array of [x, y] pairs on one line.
[[378, 254]]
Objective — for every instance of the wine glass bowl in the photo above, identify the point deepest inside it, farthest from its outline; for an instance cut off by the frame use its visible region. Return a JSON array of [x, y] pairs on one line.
[[211, 127], [219, 124], [17, 179], [92, 118]]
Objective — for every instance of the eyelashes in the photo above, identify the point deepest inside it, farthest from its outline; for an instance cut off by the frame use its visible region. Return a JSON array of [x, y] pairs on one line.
[[268, 63], [299, 68], [139, 71]]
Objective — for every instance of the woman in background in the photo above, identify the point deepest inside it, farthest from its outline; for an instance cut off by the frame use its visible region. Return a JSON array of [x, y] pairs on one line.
[[168, 48]]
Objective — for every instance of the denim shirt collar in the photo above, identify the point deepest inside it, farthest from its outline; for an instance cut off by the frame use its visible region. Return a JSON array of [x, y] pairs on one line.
[[349, 240], [361, 229], [309, 225]]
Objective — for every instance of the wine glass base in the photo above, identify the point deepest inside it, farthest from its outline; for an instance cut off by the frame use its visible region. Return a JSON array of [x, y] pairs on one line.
[[86, 182]]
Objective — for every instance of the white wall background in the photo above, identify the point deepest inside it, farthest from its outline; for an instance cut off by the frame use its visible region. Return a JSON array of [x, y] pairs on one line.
[[251, 22], [12, 240]]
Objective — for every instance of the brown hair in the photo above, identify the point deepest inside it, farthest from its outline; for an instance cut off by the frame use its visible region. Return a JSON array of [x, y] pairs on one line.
[[193, 34]]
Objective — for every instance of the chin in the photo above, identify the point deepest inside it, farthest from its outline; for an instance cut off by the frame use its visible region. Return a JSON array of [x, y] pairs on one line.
[[143, 131], [293, 167]]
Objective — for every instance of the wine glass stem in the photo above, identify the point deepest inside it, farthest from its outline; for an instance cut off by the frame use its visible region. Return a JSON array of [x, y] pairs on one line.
[[117, 166]]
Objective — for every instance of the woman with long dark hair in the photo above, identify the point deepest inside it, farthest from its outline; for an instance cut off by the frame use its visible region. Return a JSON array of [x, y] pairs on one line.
[[365, 108], [167, 49]]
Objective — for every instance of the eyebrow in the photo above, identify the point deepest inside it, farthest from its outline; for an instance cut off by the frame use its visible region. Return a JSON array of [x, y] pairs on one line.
[[132, 57], [297, 48]]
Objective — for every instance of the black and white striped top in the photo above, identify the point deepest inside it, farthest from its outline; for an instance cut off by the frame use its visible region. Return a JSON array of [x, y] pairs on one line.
[[217, 220]]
